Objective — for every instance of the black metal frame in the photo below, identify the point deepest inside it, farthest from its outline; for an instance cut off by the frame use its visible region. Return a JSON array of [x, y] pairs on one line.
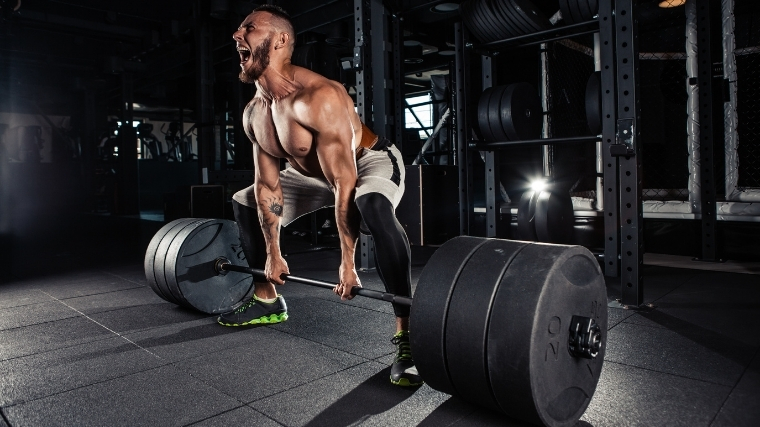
[[622, 207], [709, 133]]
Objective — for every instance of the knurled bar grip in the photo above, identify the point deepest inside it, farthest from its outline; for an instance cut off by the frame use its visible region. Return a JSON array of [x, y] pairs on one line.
[[369, 293]]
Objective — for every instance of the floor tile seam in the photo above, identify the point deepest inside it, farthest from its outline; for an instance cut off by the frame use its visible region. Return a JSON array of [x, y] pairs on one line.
[[309, 382], [4, 417], [668, 373], [725, 400], [106, 327], [122, 278], [663, 328], [330, 300], [24, 402], [65, 347], [230, 410], [321, 343], [102, 293], [40, 323]]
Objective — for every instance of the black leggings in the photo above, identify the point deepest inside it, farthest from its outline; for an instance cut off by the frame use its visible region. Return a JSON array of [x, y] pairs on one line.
[[392, 253]]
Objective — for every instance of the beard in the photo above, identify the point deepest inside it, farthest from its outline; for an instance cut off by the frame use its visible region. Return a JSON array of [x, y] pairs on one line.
[[260, 62]]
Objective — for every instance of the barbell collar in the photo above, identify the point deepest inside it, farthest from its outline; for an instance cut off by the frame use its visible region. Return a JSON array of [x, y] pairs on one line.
[[223, 265]]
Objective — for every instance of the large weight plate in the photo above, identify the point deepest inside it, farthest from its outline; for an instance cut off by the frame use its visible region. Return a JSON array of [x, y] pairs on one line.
[[484, 21], [190, 266], [467, 321], [505, 6], [521, 112], [150, 256], [469, 20], [567, 13], [494, 114], [500, 30], [159, 263], [585, 10], [506, 23], [483, 112], [594, 103], [427, 319], [532, 373], [535, 19], [554, 217], [526, 216]]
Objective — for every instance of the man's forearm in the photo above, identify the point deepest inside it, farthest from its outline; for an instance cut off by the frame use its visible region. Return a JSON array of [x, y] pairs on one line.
[[270, 207], [347, 221]]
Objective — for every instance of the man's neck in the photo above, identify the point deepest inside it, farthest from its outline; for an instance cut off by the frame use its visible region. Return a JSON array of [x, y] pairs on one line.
[[276, 82]]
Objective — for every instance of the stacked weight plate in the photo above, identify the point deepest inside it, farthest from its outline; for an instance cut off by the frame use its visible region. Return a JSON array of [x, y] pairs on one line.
[[491, 323], [510, 113], [180, 259], [575, 11], [492, 20]]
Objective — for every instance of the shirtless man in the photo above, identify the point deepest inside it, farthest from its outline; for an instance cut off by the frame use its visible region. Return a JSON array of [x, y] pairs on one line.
[[335, 160]]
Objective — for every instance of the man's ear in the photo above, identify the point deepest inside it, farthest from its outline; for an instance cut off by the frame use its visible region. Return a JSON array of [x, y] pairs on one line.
[[282, 40]]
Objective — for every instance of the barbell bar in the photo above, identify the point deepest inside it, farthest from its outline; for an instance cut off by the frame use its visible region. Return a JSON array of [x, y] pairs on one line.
[[222, 266], [518, 327]]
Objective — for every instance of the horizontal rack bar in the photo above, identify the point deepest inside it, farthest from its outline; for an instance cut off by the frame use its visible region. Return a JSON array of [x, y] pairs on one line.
[[489, 146], [544, 36]]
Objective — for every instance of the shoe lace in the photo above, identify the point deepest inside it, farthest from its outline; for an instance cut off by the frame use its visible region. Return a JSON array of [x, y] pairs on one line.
[[245, 306], [404, 349]]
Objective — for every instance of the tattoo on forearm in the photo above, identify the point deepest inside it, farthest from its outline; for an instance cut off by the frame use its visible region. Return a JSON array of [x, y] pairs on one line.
[[275, 208]]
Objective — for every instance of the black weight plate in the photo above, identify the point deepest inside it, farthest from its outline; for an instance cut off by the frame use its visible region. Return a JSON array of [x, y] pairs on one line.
[[506, 23], [593, 6], [508, 10], [521, 112], [533, 375], [159, 262], [494, 114], [535, 19], [469, 19], [150, 256], [190, 266], [485, 22], [483, 102], [564, 7], [500, 30], [164, 260], [554, 217], [526, 216], [575, 9], [585, 10], [427, 319], [594, 103], [467, 321]]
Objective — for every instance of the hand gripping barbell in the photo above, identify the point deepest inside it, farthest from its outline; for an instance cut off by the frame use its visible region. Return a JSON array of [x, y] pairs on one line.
[[518, 327]]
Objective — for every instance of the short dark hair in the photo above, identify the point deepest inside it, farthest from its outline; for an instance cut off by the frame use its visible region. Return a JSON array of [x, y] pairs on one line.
[[274, 10]]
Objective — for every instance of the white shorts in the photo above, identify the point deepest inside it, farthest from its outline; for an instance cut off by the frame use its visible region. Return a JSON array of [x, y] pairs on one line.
[[379, 171]]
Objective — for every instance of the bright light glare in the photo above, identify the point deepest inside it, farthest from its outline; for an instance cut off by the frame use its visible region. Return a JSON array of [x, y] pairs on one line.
[[538, 185], [665, 4]]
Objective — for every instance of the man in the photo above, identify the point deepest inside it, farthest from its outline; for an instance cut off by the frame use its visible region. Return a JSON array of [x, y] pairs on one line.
[[334, 160]]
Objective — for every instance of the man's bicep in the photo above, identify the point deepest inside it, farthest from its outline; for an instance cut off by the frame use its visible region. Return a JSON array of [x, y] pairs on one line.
[[266, 168]]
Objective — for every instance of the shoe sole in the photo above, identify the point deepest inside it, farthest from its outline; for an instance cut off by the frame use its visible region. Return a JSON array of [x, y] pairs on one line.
[[264, 320], [404, 382]]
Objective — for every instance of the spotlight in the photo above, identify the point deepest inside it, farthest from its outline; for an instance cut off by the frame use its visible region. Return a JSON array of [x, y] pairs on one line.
[[665, 4], [445, 8], [538, 185]]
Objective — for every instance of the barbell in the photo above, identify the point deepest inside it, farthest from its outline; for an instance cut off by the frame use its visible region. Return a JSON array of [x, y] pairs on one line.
[[518, 327]]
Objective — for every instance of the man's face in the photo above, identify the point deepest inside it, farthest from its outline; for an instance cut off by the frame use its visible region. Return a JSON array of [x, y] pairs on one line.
[[254, 40]]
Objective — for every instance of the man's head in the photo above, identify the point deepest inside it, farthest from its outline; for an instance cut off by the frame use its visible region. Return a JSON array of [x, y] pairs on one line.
[[266, 34]]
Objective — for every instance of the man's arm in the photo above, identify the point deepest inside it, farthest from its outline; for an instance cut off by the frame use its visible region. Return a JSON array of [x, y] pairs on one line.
[[330, 120], [269, 200]]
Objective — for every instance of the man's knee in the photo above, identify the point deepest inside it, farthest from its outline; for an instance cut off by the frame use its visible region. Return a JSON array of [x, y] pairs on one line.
[[375, 210]]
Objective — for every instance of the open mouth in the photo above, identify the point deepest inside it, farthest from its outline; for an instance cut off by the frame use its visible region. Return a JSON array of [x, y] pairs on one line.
[[244, 53]]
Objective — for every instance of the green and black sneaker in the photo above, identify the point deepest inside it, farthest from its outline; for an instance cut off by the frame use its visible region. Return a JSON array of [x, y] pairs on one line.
[[403, 371], [256, 312]]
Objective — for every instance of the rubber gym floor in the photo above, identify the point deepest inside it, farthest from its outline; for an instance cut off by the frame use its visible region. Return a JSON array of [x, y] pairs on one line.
[[85, 342]]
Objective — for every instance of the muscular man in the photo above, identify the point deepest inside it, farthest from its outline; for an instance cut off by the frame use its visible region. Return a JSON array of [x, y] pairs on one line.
[[334, 159]]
